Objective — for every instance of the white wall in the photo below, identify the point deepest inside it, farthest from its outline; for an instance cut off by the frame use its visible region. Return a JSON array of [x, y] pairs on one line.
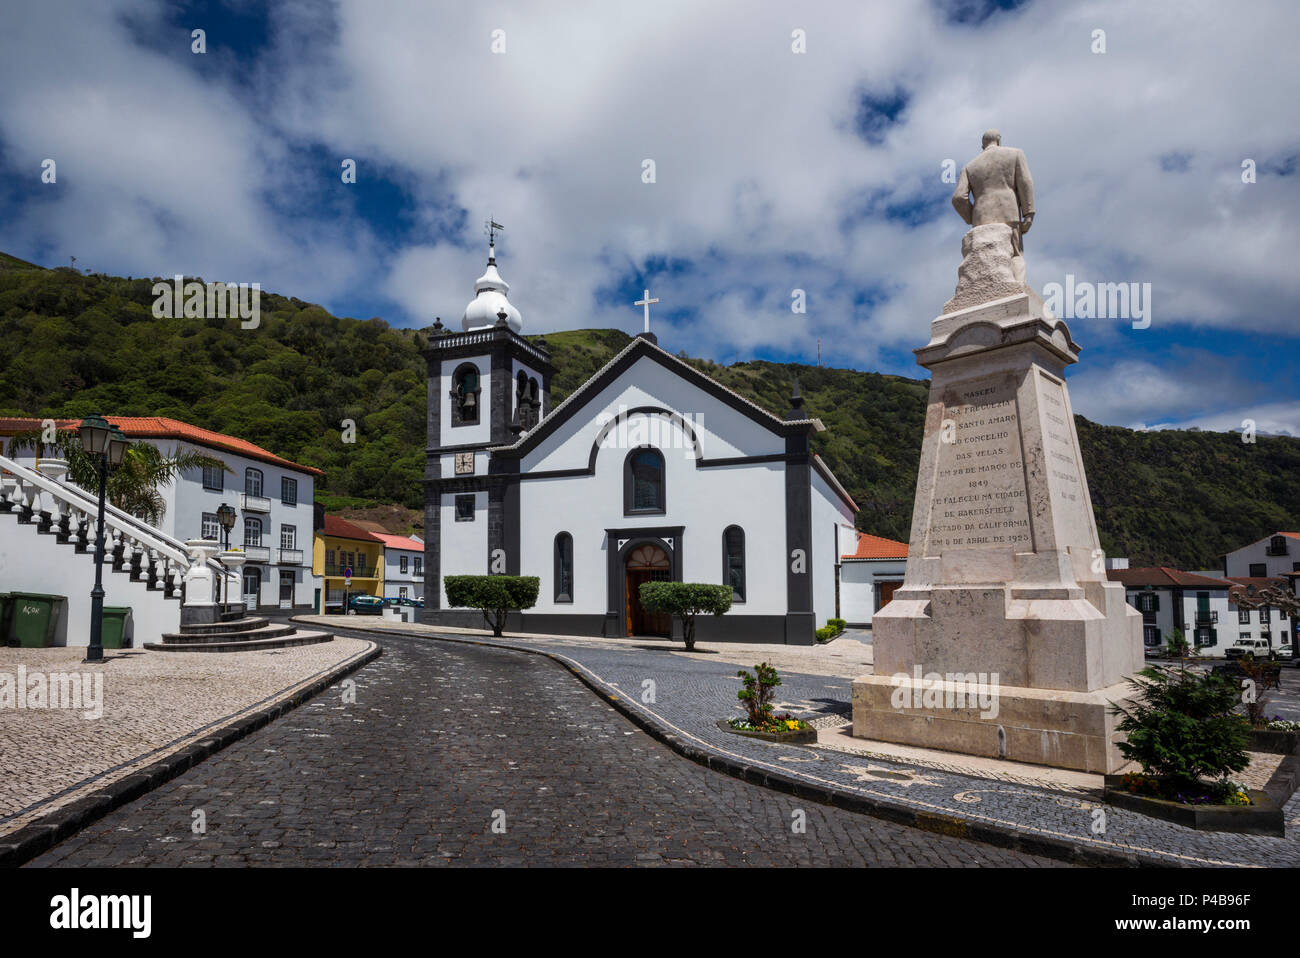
[[723, 432], [829, 516], [31, 562], [395, 579], [1239, 562], [464, 544], [704, 501], [857, 585]]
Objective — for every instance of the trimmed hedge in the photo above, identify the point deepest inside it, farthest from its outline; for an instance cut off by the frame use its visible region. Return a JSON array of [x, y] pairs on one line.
[[832, 628], [493, 595], [685, 600]]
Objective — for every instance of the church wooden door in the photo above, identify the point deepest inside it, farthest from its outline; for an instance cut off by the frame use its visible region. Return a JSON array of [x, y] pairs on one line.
[[646, 563]]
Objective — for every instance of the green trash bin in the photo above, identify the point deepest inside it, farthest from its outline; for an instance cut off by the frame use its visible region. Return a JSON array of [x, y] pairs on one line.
[[5, 638], [115, 631], [35, 618]]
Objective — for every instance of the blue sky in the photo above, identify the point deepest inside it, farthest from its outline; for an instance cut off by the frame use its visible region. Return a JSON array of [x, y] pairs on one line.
[[775, 170]]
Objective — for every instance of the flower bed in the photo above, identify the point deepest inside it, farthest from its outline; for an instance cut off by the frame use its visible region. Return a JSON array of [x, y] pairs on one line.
[[1216, 807], [781, 728]]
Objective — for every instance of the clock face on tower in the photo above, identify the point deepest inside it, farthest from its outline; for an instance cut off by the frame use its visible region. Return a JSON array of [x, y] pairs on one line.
[[464, 463]]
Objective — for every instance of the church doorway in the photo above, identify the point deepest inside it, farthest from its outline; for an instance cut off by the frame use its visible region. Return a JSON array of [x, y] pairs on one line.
[[647, 563]]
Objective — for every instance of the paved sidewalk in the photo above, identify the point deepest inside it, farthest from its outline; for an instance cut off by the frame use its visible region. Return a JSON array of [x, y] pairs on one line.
[[682, 695], [154, 704]]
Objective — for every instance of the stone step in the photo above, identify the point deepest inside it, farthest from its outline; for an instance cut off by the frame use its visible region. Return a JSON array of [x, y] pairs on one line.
[[297, 638], [246, 624], [246, 635]]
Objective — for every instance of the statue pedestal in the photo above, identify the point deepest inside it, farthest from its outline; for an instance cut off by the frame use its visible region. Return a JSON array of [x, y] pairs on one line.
[[1006, 581]]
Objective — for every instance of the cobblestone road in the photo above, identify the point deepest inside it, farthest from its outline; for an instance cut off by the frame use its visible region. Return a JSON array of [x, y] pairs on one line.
[[444, 740]]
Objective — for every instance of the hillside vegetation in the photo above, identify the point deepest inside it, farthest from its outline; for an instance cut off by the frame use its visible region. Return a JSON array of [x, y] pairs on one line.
[[72, 344]]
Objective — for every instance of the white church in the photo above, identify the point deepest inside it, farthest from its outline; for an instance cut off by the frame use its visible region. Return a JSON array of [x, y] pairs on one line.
[[651, 470]]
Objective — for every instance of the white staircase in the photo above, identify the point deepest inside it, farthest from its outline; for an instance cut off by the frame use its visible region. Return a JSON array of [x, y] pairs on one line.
[[47, 545]]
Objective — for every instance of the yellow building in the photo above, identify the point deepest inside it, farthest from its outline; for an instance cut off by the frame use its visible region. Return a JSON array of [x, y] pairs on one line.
[[340, 545]]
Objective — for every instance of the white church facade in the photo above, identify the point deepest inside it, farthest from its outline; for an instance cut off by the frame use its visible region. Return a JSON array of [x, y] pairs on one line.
[[650, 470]]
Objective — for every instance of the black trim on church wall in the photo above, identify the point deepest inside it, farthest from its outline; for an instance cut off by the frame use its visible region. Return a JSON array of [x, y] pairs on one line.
[[432, 496], [638, 349], [629, 484], [708, 628], [801, 625]]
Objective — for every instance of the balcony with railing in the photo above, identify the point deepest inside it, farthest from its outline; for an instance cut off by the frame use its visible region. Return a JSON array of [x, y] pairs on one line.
[[257, 553], [358, 571], [254, 503], [1207, 618], [288, 556]]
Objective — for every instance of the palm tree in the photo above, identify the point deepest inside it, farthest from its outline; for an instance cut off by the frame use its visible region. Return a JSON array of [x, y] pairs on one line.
[[132, 485]]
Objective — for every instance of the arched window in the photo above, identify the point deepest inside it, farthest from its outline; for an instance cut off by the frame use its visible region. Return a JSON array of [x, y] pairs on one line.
[[465, 390], [643, 482], [252, 531], [252, 482], [564, 567], [733, 561]]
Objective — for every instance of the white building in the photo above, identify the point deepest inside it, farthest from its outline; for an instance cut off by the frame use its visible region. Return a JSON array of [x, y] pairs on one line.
[[273, 497], [868, 577], [1272, 625], [1172, 599], [1272, 557], [651, 470], [403, 566]]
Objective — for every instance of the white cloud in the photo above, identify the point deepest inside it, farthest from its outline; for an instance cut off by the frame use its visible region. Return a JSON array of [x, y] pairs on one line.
[[166, 169]]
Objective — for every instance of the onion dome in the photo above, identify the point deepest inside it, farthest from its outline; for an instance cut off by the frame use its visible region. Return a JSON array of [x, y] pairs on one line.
[[490, 301]]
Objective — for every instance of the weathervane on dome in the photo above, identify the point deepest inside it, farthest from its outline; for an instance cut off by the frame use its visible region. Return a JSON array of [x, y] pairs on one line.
[[491, 227]]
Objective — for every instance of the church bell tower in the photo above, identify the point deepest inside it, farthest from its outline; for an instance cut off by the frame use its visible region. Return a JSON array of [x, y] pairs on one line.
[[487, 385]]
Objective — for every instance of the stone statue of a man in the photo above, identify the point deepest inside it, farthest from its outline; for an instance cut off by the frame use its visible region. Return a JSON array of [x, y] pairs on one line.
[[1002, 188]]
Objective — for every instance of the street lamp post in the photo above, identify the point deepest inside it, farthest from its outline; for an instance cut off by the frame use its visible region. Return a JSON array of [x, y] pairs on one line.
[[225, 516], [106, 445]]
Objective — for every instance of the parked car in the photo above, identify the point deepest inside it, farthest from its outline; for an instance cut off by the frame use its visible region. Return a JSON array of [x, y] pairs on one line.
[[365, 605], [1155, 652], [1256, 647], [409, 603]]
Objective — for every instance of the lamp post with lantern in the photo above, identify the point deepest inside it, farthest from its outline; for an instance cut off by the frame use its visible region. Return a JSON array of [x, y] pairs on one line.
[[226, 517], [106, 445]]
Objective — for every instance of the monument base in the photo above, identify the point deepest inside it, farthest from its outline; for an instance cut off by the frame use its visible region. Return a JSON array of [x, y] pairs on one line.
[[1073, 730]]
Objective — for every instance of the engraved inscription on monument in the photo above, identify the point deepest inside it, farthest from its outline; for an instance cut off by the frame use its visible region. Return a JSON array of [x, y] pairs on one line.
[[979, 496], [1064, 473]]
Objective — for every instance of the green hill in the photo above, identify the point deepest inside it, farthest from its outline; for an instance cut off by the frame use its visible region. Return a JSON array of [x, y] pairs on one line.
[[72, 344]]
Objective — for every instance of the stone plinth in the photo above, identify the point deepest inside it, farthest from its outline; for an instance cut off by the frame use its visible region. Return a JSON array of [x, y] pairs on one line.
[[1037, 726], [1005, 572]]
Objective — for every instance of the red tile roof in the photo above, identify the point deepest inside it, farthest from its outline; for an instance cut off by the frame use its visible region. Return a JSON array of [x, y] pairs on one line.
[[1164, 576], [160, 427], [340, 528], [877, 547], [399, 542]]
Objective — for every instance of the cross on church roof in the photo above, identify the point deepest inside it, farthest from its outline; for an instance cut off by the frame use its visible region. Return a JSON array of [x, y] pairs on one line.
[[646, 302]]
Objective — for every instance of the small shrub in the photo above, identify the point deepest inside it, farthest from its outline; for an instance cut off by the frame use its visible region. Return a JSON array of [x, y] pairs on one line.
[[686, 600], [1182, 727], [493, 595], [757, 694]]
